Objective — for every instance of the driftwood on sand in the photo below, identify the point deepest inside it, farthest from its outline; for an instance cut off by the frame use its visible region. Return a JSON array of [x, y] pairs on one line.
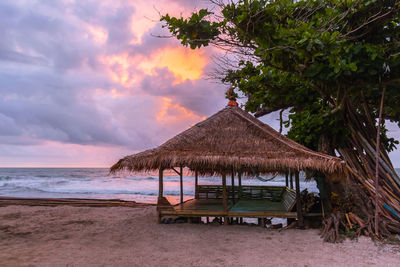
[[8, 201]]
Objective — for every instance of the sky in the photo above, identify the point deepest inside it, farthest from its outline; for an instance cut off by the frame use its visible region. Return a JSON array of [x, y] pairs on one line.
[[86, 82]]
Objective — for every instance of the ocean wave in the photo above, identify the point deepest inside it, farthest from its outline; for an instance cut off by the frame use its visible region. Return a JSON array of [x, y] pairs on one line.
[[6, 178], [140, 178], [8, 188], [166, 178], [12, 188], [43, 176], [80, 176]]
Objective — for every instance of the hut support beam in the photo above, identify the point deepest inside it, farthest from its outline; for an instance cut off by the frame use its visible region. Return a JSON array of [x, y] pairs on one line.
[[160, 183], [240, 191], [240, 184], [224, 198], [160, 190], [233, 185], [300, 217], [287, 179], [291, 179], [177, 172], [180, 173], [196, 183], [181, 182]]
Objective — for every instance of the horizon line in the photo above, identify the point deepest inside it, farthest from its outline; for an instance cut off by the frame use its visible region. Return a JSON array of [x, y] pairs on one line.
[[53, 167], [72, 167]]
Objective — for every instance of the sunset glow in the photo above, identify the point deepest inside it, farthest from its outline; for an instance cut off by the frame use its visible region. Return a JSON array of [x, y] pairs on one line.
[[184, 63], [118, 69], [171, 112]]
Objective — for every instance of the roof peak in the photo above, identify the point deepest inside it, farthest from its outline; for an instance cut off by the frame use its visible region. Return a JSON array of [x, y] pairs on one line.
[[232, 103], [230, 94]]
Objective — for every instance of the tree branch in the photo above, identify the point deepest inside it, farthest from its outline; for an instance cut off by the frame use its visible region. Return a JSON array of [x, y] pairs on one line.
[[265, 111]]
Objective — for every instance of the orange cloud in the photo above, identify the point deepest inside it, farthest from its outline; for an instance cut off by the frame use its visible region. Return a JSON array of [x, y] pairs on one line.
[[184, 63], [175, 112], [119, 69]]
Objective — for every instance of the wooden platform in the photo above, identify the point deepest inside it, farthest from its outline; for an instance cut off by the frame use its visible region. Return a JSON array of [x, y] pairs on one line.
[[256, 205], [79, 202], [202, 205], [242, 201], [258, 208]]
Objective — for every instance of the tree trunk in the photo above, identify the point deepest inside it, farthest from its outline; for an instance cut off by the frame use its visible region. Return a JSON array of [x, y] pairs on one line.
[[353, 205], [324, 185]]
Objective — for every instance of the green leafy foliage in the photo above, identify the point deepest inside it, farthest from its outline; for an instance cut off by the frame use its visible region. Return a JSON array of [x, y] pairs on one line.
[[195, 31]]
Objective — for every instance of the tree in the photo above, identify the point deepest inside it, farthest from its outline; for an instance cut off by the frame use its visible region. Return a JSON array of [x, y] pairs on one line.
[[327, 62]]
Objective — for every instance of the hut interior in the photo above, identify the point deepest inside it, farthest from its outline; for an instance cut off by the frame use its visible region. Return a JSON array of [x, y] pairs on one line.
[[234, 201], [231, 144]]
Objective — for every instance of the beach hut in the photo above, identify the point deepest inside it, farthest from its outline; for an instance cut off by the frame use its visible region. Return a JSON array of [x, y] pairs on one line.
[[232, 143]]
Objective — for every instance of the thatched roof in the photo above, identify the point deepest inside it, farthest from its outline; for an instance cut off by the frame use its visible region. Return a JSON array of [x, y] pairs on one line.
[[231, 137]]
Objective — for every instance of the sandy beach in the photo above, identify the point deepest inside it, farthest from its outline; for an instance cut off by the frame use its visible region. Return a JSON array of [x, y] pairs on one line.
[[129, 236]]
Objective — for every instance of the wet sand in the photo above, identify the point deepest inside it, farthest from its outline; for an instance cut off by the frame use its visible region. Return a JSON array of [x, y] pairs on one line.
[[129, 236]]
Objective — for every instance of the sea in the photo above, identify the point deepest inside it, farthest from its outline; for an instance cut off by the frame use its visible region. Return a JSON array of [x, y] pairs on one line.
[[98, 183]]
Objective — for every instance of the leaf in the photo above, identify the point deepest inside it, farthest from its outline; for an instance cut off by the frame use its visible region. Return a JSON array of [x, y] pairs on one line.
[[353, 66]]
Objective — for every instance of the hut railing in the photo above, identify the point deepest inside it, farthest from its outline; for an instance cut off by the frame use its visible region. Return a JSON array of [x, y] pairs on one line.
[[273, 193]]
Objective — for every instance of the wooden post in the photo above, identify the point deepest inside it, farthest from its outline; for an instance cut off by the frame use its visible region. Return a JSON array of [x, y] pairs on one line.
[[287, 178], [233, 185], [160, 191], [196, 183], [224, 198], [160, 183], [233, 189], [261, 222], [240, 191], [300, 218], [240, 184], [181, 182], [291, 180]]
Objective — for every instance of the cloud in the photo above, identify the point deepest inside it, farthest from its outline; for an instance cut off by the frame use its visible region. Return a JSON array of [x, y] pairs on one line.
[[184, 63], [200, 96], [17, 57]]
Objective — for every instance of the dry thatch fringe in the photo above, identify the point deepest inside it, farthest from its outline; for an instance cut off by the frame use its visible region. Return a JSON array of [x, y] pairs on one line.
[[231, 138]]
